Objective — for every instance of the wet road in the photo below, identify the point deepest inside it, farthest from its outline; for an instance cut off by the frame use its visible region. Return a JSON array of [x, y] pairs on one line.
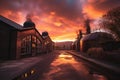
[[64, 66]]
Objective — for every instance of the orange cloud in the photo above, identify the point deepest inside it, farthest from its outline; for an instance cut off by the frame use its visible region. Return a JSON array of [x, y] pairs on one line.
[[91, 12], [59, 28], [18, 17], [66, 37], [61, 18]]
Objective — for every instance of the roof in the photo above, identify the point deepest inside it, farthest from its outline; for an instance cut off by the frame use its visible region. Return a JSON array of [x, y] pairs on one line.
[[98, 36], [29, 24], [18, 26], [12, 23]]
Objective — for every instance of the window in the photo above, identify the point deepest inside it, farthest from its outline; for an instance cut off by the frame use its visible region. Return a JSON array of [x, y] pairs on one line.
[[30, 44]]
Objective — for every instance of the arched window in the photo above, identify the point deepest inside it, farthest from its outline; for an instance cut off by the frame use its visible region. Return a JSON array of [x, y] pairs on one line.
[[30, 45], [39, 46], [26, 45]]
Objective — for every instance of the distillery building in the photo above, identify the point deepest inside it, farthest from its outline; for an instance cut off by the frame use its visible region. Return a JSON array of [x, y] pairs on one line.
[[97, 40], [18, 41], [48, 45]]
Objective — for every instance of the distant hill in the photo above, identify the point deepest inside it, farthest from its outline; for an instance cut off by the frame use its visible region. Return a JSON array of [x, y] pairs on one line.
[[67, 45]]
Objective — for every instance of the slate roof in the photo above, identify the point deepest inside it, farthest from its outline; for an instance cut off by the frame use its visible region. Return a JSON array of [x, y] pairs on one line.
[[98, 36], [16, 25], [13, 24]]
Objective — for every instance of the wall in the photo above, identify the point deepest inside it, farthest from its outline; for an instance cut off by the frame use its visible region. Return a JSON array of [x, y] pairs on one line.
[[7, 41]]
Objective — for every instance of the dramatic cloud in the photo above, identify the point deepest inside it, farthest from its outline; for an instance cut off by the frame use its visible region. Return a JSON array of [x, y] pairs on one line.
[[61, 18], [96, 8]]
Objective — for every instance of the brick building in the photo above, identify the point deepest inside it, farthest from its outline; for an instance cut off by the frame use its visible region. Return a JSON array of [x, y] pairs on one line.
[[17, 41]]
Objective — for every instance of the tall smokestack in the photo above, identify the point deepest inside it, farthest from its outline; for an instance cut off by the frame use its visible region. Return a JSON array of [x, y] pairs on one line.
[[87, 25]]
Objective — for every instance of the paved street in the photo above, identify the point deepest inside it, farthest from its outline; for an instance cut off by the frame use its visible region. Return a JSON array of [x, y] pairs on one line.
[[58, 65], [65, 67]]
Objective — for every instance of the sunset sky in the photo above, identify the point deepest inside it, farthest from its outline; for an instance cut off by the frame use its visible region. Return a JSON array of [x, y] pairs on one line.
[[61, 18]]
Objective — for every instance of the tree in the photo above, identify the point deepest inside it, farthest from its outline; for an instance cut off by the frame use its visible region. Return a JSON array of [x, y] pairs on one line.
[[111, 21]]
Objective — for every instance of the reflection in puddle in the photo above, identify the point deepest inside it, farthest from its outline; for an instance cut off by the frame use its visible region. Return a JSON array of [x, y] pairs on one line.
[[62, 66], [64, 55], [67, 59]]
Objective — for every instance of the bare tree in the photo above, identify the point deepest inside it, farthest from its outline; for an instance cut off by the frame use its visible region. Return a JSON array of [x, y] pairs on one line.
[[111, 21]]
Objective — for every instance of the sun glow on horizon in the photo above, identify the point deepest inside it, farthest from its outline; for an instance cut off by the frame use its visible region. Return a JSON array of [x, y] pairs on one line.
[[63, 40], [61, 19]]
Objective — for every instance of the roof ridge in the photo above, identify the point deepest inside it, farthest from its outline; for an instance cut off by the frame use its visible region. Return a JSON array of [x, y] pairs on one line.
[[10, 22]]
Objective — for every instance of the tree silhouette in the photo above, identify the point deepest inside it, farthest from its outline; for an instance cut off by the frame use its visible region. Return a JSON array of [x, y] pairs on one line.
[[111, 21]]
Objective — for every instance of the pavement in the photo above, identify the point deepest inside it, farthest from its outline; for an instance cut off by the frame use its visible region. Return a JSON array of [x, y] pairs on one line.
[[66, 66], [14, 68], [109, 67]]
